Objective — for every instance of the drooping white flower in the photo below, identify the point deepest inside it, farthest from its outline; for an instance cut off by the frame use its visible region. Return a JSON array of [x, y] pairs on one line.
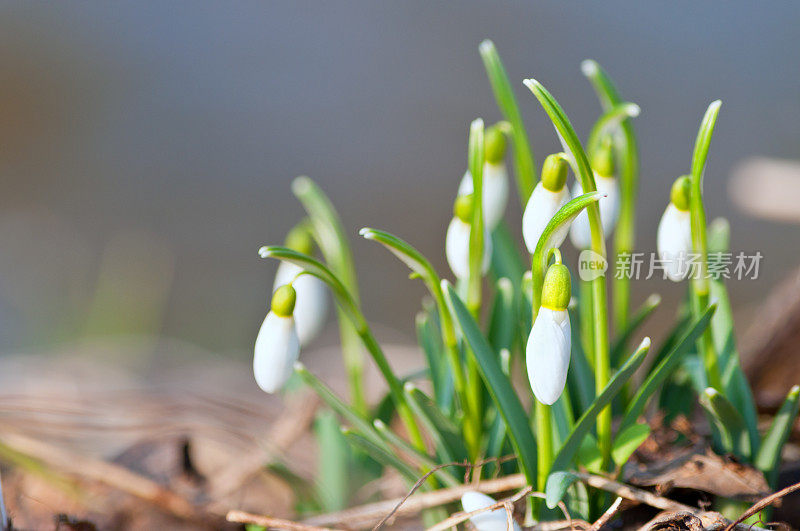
[[549, 195], [457, 248], [494, 520], [495, 178], [456, 244], [495, 192], [580, 233], [277, 345], [674, 239], [548, 350], [311, 308]]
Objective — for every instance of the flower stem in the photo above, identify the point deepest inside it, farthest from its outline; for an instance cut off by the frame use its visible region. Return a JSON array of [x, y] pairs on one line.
[[544, 443]]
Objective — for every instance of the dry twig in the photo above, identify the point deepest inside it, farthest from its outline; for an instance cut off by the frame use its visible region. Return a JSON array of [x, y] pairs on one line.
[[242, 517], [603, 520], [769, 500], [463, 517]]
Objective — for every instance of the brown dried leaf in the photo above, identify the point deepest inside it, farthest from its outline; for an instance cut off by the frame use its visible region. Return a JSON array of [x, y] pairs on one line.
[[705, 472]]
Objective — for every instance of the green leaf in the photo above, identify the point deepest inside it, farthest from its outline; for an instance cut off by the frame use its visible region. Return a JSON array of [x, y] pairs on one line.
[[610, 122], [336, 404], [447, 436], [504, 95], [429, 338], [703, 141], [499, 387], [729, 422], [627, 441], [589, 456], [328, 230], [734, 382], [580, 376], [606, 92], [633, 324], [476, 154], [333, 462], [557, 485], [384, 456], [769, 455], [587, 420], [503, 320], [668, 364]]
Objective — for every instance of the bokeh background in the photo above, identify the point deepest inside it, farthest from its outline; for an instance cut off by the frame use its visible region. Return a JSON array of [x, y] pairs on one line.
[[147, 148]]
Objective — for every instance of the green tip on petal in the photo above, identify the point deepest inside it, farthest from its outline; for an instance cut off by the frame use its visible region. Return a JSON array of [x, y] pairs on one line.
[[554, 172], [283, 301], [463, 208], [681, 192], [494, 142], [603, 158], [299, 239], [557, 287]]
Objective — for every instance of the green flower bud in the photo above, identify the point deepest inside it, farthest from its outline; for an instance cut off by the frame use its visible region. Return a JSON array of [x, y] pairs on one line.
[[299, 239], [554, 172], [681, 192], [464, 207], [494, 142], [603, 159], [557, 287], [283, 301]]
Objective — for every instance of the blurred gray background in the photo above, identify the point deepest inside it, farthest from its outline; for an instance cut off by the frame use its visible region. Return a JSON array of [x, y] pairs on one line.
[[147, 148]]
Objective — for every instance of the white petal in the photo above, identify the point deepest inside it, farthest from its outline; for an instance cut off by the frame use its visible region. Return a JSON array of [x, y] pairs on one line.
[[541, 207], [495, 192], [495, 520], [674, 242], [547, 354], [277, 348], [311, 307], [457, 248], [580, 233]]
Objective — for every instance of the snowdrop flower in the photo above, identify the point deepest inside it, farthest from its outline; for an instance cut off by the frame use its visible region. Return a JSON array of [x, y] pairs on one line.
[[494, 520], [674, 239], [548, 196], [277, 344], [457, 239], [548, 349], [603, 168], [495, 179], [311, 308]]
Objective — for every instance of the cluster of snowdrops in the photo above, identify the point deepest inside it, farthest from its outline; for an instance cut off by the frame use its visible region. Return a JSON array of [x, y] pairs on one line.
[[503, 302]]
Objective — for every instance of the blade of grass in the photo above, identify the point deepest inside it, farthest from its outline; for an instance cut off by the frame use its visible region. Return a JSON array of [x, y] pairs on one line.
[[769, 455], [729, 422], [449, 442], [638, 318]]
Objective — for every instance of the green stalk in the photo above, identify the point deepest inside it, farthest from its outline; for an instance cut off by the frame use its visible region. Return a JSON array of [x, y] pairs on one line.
[[700, 284], [628, 160], [586, 312], [476, 157], [544, 443], [584, 172]]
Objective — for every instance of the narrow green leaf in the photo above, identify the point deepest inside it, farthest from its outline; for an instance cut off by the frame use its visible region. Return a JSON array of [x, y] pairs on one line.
[[557, 485], [333, 462], [610, 123], [606, 92], [503, 319], [499, 387], [328, 230], [429, 339], [580, 376], [627, 441], [381, 454], [587, 420], [729, 422], [476, 234], [446, 435], [336, 404], [588, 455], [668, 364], [504, 95], [638, 318], [703, 141], [769, 455]]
